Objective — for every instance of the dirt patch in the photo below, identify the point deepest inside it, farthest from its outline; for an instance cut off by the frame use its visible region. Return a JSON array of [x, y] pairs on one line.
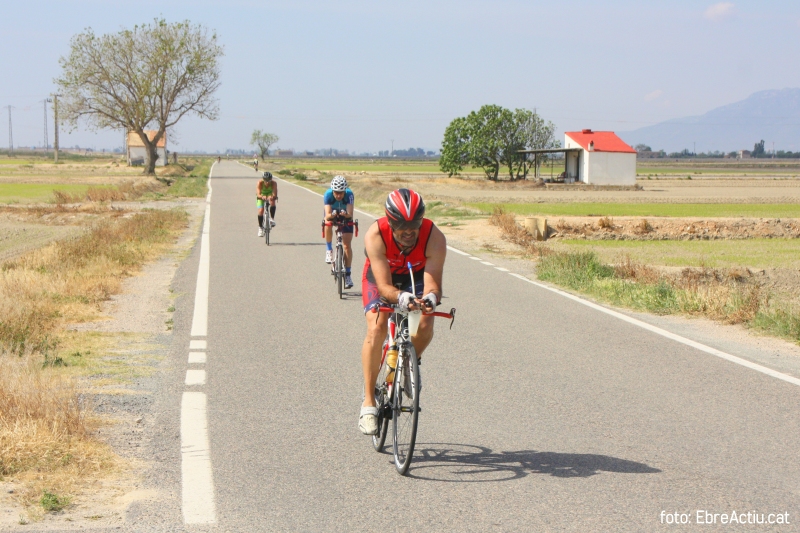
[[638, 228]]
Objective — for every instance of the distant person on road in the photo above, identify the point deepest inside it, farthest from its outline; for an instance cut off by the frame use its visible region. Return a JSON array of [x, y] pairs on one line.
[[255, 163], [339, 204], [266, 192], [402, 236]]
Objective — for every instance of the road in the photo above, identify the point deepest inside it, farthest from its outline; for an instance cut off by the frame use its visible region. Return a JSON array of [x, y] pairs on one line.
[[539, 413]]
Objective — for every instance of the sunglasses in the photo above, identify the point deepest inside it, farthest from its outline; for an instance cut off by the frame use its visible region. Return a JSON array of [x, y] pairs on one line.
[[406, 225]]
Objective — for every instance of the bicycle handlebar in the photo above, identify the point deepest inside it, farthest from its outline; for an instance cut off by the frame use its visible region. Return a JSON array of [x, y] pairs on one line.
[[395, 309], [341, 222]]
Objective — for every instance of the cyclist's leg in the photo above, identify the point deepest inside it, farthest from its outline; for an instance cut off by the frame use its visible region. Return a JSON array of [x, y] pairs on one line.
[[376, 333], [425, 331], [273, 206], [260, 208], [347, 239]]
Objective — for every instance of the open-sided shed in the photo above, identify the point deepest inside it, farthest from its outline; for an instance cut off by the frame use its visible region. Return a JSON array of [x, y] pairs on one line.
[[137, 154]]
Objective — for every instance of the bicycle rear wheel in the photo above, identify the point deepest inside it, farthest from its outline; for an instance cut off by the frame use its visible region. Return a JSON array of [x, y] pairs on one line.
[[383, 402], [405, 409]]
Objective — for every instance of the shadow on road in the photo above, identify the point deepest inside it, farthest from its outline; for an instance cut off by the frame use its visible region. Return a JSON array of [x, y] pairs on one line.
[[472, 464]]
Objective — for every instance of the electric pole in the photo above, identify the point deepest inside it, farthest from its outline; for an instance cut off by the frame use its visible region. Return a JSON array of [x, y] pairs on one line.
[[10, 133], [391, 154], [46, 138], [55, 125]]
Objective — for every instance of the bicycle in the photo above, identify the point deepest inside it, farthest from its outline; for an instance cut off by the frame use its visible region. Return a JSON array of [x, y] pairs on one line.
[[337, 264], [266, 225], [397, 391]]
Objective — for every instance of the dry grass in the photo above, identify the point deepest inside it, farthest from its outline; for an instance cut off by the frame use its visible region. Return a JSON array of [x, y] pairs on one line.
[[513, 232], [68, 279], [46, 442], [605, 223], [127, 190]]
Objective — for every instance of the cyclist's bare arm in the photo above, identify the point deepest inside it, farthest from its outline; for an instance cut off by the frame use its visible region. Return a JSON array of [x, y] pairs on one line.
[[376, 251], [350, 209], [274, 190], [434, 264]]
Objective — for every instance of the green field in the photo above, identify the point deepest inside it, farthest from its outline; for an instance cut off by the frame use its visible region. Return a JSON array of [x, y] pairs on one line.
[[648, 210], [12, 193], [753, 253]]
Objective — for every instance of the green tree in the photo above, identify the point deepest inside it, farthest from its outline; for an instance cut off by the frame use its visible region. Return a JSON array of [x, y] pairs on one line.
[[263, 141], [491, 138], [149, 77], [758, 149]]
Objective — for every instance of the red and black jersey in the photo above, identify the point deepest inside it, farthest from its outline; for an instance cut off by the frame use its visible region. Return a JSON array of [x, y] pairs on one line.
[[398, 261]]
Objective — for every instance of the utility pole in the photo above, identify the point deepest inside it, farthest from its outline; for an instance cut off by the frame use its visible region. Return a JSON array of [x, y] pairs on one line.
[[10, 134], [46, 137], [55, 124], [391, 154]]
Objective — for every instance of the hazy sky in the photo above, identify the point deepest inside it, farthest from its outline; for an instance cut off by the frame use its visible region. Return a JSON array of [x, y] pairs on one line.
[[356, 74]]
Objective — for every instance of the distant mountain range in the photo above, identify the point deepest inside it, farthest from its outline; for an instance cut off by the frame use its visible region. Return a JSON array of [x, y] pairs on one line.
[[773, 116]]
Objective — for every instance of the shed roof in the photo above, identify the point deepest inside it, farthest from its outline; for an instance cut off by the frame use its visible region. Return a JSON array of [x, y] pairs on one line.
[[135, 141], [604, 141]]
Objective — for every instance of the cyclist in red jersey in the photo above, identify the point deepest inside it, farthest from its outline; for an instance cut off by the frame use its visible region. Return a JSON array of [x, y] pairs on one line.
[[403, 236]]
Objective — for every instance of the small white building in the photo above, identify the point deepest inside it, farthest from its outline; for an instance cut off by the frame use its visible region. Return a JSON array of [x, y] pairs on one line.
[[137, 153], [599, 158]]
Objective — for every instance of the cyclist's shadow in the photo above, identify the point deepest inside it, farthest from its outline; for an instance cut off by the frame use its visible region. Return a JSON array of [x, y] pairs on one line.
[[471, 464]]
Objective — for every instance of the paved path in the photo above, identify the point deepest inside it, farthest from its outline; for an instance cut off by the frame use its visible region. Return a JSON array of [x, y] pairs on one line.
[[540, 413]]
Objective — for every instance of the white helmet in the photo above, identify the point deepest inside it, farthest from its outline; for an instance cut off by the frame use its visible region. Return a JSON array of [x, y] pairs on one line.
[[338, 184]]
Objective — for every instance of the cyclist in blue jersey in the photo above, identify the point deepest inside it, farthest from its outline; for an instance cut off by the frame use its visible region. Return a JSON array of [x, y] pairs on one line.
[[339, 203]]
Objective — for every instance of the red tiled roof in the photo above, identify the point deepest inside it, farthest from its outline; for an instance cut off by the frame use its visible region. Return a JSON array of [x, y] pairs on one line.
[[604, 141]]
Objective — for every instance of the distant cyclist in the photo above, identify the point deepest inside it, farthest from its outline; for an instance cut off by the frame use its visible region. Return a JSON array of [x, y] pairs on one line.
[[401, 237], [266, 193], [255, 162], [339, 203]]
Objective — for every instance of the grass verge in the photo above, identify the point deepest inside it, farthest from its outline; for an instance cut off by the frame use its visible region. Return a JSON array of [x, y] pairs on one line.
[[732, 296], [47, 441]]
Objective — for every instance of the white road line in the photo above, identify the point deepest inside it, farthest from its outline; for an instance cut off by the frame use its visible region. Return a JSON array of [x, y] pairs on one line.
[[198, 485], [456, 250], [200, 318], [197, 358], [664, 333], [197, 345], [487, 263], [501, 269], [195, 377], [475, 258]]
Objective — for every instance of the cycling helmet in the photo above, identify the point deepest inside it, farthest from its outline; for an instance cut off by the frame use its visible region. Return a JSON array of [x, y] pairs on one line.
[[404, 209], [267, 176], [338, 184]]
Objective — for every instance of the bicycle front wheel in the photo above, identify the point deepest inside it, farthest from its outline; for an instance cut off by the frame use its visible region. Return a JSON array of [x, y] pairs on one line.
[[267, 228], [405, 409], [339, 270], [383, 402]]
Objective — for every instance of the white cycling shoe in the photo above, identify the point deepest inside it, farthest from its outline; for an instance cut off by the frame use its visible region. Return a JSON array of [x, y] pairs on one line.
[[272, 224], [348, 282], [260, 232], [328, 256], [368, 421]]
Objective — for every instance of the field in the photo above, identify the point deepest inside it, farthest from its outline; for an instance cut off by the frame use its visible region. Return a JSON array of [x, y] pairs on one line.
[[706, 210]]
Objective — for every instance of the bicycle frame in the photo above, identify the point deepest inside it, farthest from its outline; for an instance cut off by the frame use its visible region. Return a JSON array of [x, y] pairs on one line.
[[337, 264]]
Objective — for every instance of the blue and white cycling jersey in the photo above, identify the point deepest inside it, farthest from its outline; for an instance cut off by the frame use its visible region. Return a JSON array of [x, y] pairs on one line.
[[328, 199]]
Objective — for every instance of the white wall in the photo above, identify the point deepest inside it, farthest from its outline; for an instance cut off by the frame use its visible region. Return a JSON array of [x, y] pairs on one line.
[[139, 153], [610, 168]]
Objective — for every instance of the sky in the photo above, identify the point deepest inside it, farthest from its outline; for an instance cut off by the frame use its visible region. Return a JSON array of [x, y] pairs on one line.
[[375, 75]]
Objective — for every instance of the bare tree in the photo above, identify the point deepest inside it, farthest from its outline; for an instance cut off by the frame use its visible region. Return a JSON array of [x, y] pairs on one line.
[[263, 141], [149, 77]]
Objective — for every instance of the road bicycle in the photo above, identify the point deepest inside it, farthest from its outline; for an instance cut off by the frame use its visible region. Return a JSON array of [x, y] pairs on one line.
[[337, 263], [266, 225], [397, 391]]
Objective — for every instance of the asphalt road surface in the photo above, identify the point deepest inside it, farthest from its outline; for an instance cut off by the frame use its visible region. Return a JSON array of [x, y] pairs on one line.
[[539, 413]]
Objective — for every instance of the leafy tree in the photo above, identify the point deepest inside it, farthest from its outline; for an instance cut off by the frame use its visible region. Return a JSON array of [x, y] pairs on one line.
[[149, 77], [642, 148], [758, 149], [263, 141], [491, 138]]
